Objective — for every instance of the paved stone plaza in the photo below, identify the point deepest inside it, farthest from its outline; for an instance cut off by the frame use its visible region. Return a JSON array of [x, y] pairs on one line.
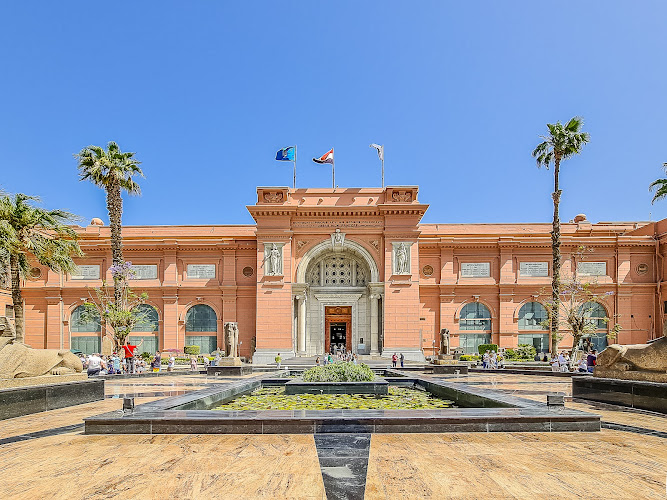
[[46, 454]]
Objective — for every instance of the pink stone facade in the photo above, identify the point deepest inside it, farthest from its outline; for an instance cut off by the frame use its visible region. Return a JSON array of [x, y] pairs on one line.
[[448, 271]]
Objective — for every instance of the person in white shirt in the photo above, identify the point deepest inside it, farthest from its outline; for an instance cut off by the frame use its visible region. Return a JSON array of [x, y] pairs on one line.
[[562, 362], [95, 365], [583, 366], [554, 364]]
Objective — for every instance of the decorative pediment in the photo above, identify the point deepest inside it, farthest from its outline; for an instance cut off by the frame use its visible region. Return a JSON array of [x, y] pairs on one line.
[[401, 194]]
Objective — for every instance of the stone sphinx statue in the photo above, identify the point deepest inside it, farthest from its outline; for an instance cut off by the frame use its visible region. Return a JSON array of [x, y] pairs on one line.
[[645, 362], [231, 339], [18, 360]]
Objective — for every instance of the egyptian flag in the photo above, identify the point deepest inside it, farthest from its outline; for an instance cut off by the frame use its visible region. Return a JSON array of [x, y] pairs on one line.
[[327, 157]]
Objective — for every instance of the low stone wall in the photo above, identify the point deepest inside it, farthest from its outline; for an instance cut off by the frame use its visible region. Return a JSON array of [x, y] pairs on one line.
[[228, 370], [11, 383], [20, 401], [635, 394], [449, 369]]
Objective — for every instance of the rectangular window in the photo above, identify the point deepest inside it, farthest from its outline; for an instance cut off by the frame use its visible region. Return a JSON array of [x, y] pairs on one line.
[[9, 311], [540, 341], [207, 343], [470, 341], [144, 272], [201, 271], [475, 269]]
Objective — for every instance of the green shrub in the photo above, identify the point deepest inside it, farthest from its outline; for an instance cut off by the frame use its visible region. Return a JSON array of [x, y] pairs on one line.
[[525, 351], [146, 356], [510, 354], [482, 348], [177, 361], [469, 357], [339, 372], [192, 349]]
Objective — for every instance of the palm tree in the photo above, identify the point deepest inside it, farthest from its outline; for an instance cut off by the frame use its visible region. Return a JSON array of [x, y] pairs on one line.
[[29, 232], [563, 142], [659, 186], [113, 171]]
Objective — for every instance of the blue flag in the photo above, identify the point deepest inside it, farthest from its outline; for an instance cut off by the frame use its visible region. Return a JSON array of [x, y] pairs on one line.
[[285, 154]]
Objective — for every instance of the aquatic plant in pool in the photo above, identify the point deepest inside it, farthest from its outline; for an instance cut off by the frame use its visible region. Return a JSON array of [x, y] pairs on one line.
[[274, 398], [339, 372]]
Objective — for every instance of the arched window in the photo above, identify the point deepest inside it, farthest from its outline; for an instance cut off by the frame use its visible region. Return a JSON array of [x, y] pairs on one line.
[[85, 319], [531, 315], [201, 318], [595, 313], [475, 316], [149, 319]]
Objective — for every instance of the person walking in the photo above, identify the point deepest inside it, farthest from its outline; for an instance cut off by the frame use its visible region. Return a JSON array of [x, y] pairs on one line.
[[485, 360], [278, 359], [171, 364], [193, 364], [317, 361], [402, 359]]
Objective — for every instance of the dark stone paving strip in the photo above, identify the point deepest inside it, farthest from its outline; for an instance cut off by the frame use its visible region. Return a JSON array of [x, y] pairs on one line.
[[40, 434], [632, 428], [343, 462]]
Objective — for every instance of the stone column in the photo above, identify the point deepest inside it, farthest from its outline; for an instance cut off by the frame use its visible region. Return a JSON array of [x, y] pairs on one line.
[[374, 323], [301, 324]]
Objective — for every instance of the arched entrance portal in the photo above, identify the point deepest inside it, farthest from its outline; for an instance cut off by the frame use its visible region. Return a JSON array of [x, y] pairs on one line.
[[336, 300]]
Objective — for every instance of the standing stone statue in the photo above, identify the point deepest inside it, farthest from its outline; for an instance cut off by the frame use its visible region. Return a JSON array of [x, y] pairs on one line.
[[231, 339], [402, 265], [275, 268], [444, 341]]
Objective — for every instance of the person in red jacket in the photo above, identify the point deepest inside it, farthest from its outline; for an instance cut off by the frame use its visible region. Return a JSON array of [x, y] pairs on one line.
[[394, 358], [129, 355]]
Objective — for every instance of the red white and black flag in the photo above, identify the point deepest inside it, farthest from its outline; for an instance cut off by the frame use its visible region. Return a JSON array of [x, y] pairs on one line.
[[327, 157]]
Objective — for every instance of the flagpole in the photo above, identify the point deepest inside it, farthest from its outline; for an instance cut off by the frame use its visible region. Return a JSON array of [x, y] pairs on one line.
[[383, 167], [294, 183], [333, 171]]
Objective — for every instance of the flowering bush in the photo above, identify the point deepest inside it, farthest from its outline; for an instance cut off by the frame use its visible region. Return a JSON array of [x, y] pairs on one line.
[[339, 372], [121, 316]]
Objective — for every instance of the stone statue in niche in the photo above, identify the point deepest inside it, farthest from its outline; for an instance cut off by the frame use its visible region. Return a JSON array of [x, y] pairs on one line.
[[274, 261], [337, 239], [444, 341], [402, 259], [645, 362], [231, 339]]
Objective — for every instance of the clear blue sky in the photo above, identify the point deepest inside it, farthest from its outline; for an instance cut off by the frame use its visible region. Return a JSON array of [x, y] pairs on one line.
[[458, 92]]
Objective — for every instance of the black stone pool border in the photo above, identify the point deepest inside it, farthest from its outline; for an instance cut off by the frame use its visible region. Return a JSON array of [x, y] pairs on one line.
[[494, 412]]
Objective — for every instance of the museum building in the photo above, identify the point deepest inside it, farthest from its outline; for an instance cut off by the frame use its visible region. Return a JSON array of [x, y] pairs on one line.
[[353, 267]]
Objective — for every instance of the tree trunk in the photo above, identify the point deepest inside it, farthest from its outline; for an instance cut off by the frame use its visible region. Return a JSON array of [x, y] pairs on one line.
[[17, 299], [555, 245], [115, 209]]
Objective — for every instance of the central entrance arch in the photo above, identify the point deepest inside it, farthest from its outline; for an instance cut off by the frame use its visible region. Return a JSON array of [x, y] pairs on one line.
[[335, 300]]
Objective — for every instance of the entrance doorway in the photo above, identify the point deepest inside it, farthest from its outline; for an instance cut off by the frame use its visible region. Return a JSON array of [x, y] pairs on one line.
[[338, 327]]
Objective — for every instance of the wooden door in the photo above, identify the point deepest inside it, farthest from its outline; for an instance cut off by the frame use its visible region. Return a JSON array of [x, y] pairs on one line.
[[337, 314]]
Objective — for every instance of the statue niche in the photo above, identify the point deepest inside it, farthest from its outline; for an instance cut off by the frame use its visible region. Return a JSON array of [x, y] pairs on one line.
[[644, 362]]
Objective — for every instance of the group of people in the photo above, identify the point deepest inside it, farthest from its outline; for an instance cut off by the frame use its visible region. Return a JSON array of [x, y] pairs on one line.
[[327, 359], [562, 362], [129, 363], [492, 360], [395, 359]]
